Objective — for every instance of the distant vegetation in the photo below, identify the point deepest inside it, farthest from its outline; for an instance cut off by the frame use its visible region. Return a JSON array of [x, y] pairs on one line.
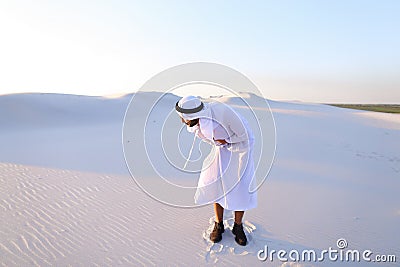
[[371, 107]]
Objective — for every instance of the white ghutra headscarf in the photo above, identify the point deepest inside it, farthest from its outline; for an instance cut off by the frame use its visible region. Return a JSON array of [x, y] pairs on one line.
[[191, 107]]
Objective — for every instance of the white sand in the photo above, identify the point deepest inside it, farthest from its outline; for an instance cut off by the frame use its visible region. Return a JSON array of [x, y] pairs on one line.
[[66, 197]]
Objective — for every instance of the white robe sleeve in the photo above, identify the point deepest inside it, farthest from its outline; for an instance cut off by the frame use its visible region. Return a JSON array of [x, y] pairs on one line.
[[238, 128], [204, 139]]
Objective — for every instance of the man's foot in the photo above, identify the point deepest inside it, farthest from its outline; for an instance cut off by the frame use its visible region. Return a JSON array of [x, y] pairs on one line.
[[240, 236], [216, 234]]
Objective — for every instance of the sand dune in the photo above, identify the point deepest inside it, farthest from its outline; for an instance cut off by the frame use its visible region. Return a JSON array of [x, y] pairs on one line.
[[66, 197]]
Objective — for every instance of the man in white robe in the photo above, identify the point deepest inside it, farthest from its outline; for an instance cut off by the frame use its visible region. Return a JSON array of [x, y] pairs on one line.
[[227, 175]]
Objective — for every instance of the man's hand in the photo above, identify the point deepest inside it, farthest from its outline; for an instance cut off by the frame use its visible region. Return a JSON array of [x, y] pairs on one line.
[[220, 141]]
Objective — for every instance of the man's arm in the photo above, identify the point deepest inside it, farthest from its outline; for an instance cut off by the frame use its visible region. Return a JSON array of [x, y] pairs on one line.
[[236, 125], [220, 141]]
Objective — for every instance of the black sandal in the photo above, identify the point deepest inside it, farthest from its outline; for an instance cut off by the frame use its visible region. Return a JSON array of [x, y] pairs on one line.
[[216, 234], [240, 236]]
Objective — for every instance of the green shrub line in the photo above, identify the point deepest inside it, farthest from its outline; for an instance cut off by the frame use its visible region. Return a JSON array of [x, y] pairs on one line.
[[387, 108]]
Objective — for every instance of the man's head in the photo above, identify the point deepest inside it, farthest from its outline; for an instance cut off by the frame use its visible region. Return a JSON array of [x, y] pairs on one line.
[[189, 108]]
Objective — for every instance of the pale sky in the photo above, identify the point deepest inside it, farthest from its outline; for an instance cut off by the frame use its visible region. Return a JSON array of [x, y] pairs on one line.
[[315, 51]]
